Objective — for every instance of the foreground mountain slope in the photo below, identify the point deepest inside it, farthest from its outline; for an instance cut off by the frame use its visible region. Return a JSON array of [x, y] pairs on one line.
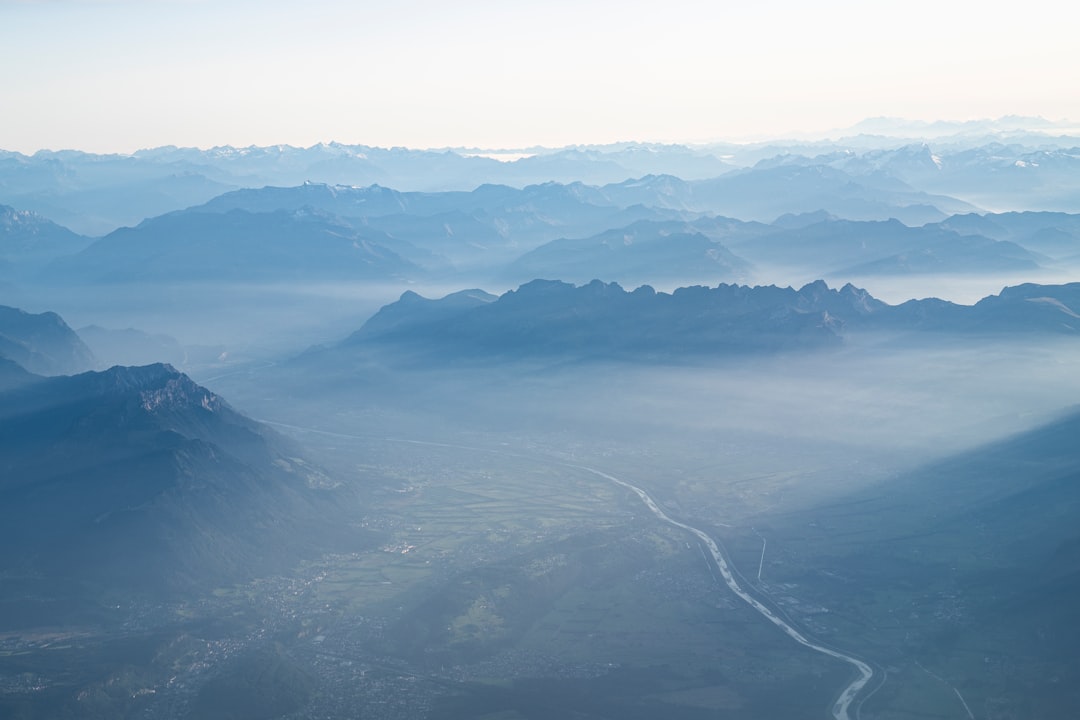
[[12, 375], [138, 480], [968, 568]]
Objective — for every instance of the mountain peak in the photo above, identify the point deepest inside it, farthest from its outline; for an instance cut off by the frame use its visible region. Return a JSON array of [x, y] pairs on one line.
[[160, 387], [122, 377]]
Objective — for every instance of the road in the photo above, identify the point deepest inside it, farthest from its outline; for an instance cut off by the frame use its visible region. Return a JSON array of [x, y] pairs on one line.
[[841, 709]]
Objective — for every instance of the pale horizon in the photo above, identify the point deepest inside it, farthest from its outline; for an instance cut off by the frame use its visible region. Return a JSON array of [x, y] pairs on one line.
[[115, 76], [1062, 126]]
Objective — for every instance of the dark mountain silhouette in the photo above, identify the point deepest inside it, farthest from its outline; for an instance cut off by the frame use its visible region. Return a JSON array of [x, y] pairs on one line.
[[545, 318], [552, 318]]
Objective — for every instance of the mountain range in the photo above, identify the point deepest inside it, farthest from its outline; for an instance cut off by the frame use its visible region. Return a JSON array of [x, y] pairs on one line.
[[238, 245], [1009, 164], [551, 319], [651, 231]]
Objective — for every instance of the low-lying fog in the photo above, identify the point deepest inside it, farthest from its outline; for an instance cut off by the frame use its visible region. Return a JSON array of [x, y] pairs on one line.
[[873, 406], [267, 322], [847, 417], [250, 321]]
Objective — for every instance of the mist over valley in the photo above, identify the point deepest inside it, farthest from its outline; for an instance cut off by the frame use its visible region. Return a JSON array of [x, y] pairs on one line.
[[763, 430]]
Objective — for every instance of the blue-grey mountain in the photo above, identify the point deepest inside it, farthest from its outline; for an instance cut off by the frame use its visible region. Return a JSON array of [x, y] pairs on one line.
[[551, 319], [138, 480], [238, 246], [42, 343], [29, 241]]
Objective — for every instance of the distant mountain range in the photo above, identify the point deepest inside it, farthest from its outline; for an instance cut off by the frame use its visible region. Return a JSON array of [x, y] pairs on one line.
[[95, 194], [28, 241], [237, 245], [551, 319], [997, 176], [138, 480], [843, 247], [641, 253], [1056, 235], [655, 230], [491, 224], [876, 170]]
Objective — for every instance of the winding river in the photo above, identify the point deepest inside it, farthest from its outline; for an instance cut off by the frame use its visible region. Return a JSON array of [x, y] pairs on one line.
[[841, 709]]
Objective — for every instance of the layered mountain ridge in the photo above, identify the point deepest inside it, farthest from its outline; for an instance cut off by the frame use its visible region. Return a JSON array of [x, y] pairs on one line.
[[553, 318]]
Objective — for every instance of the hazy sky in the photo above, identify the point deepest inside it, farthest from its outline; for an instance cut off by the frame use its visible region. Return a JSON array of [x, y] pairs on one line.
[[118, 75]]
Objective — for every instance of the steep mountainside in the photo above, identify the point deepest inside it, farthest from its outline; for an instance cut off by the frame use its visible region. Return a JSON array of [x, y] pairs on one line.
[[12, 375], [980, 556], [138, 480]]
